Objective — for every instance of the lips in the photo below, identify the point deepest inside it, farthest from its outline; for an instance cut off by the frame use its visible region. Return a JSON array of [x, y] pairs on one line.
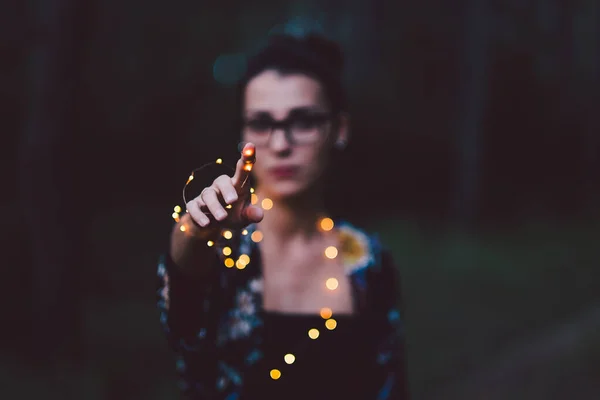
[[284, 172]]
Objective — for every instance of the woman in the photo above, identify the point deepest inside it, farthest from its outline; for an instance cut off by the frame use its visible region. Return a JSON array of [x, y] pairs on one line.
[[270, 298]]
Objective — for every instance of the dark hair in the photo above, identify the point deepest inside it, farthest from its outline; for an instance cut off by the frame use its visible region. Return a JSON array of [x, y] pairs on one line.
[[312, 55]]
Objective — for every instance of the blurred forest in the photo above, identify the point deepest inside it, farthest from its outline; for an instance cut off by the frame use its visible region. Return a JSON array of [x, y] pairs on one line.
[[475, 154]]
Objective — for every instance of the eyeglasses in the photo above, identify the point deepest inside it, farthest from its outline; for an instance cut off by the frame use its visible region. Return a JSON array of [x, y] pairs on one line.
[[298, 129]]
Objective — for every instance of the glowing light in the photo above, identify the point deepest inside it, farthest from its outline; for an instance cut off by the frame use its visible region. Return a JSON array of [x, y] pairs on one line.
[[248, 167], [275, 374], [240, 265], [248, 152], [210, 243], [331, 252], [182, 228], [332, 283], [226, 251], [228, 206], [251, 190], [245, 259], [326, 312], [227, 234], [256, 236], [331, 324], [175, 215], [313, 333], [289, 358], [219, 161], [177, 209], [253, 198], [326, 224], [190, 178], [229, 262], [245, 232], [267, 204]]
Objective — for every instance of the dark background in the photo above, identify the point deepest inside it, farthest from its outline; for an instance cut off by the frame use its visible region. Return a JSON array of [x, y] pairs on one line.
[[475, 154]]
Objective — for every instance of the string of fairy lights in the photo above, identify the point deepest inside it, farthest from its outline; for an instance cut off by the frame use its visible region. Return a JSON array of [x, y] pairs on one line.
[[324, 224]]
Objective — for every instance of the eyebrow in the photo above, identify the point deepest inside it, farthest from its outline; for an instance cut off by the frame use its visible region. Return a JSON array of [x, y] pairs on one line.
[[293, 111]]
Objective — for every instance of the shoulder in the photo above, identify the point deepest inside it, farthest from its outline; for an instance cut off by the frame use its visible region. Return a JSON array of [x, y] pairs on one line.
[[371, 267], [362, 249]]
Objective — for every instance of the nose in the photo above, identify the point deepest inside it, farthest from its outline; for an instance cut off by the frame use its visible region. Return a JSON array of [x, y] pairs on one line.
[[279, 141]]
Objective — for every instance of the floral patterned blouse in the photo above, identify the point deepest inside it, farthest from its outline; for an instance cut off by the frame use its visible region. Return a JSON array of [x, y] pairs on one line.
[[216, 333]]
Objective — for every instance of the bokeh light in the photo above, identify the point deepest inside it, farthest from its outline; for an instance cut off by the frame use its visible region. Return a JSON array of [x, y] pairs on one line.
[[332, 283], [331, 324], [289, 358], [275, 374], [267, 204], [326, 313], [331, 252], [256, 236]]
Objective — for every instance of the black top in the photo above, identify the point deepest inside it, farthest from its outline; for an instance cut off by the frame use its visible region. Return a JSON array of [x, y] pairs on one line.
[[329, 367]]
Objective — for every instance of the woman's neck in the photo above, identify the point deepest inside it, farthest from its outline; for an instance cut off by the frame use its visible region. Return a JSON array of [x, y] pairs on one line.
[[295, 217]]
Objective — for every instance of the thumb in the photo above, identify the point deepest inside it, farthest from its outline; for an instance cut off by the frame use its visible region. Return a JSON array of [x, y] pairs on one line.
[[253, 214]]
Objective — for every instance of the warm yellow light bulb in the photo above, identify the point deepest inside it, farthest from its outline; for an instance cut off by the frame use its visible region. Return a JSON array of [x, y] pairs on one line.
[[177, 209], [313, 333], [227, 235], [240, 265], [326, 224], [289, 358], [245, 232], [248, 167], [229, 262], [251, 190], [219, 161], [210, 243], [331, 324], [256, 236], [245, 259], [253, 198], [331, 252], [175, 215], [326, 312], [226, 251], [228, 206], [332, 283], [275, 374], [267, 204], [191, 177], [182, 228], [248, 152]]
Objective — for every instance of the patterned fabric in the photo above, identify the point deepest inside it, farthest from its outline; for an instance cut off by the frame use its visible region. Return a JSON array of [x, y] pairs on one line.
[[216, 333]]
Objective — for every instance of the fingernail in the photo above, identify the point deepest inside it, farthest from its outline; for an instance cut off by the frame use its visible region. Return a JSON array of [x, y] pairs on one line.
[[230, 199]]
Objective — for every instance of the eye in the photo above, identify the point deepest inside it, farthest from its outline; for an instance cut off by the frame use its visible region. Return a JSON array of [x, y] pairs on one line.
[[306, 123], [259, 126]]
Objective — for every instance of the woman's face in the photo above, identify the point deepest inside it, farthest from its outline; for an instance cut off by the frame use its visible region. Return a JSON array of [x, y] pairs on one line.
[[288, 119]]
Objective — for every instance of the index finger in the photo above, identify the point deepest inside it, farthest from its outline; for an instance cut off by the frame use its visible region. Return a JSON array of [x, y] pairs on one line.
[[244, 166]]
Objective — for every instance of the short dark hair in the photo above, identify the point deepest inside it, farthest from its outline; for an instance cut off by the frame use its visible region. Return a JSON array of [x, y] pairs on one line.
[[312, 55]]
